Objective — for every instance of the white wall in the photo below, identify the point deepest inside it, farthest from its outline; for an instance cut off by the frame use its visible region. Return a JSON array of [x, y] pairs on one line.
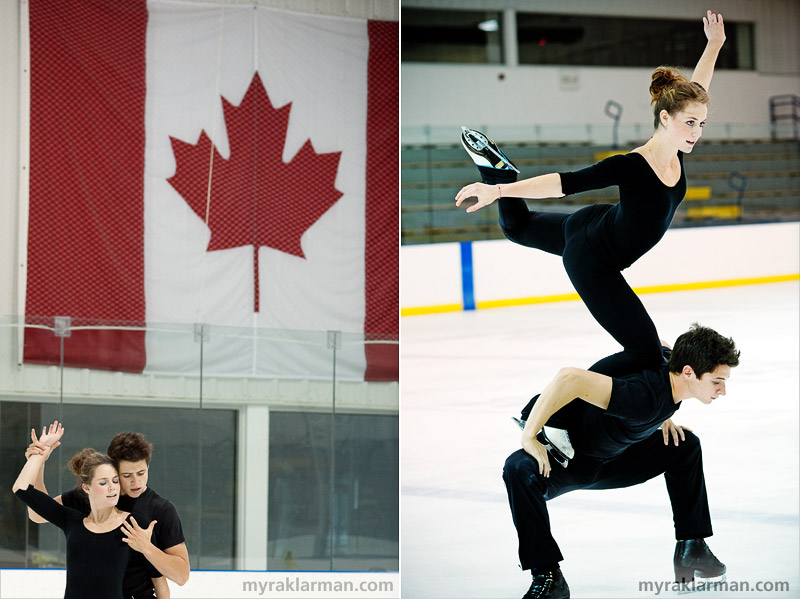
[[505, 272], [9, 152], [433, 96]]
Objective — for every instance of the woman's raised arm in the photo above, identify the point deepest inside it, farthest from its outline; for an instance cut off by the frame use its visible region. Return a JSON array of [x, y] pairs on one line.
[[714, 29], [30, 472]]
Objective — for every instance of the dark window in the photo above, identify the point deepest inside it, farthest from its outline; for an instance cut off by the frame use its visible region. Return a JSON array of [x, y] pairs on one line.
[[356, 527], [626, 42], [451, 36]]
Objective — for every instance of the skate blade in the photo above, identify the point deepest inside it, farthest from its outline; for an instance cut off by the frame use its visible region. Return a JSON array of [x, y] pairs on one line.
[[559, 457], [503, 160], [552, 450], [480, 142], [699, 585], [561, 454]]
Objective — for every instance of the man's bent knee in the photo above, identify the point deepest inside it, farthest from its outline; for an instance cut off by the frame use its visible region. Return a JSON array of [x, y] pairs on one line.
[[520, 466]]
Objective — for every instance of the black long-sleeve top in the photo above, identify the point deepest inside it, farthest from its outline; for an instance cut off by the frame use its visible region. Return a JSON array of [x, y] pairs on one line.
[[624, 232], [95, 561]]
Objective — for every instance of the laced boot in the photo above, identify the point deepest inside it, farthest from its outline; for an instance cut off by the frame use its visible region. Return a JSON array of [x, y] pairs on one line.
[[549, 584]]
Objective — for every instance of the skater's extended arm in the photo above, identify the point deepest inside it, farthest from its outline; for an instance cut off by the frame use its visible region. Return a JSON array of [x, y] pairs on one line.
[[543, 186], [715, 32], [30, 471], [37, 448], [568, 384]]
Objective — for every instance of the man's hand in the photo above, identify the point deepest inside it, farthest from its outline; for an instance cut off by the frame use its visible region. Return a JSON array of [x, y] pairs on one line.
[[136, 537], [669, 428], [539, 453]]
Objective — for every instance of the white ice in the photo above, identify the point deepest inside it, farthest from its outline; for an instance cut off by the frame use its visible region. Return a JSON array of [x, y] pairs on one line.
[[465, 374]]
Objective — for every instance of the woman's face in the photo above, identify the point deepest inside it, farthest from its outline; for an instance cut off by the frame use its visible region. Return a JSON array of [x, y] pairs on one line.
[[686, 127], [104, 488]]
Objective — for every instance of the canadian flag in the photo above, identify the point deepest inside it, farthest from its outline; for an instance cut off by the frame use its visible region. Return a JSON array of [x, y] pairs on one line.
[[229, 166]]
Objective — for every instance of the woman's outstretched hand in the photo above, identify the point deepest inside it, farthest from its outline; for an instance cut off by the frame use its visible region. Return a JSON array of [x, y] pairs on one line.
[[486, 194], [714, 28], [38, 448], [52, 436]]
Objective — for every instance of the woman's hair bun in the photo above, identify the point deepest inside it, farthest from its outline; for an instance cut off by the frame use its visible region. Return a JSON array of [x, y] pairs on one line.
[[663, 78], [79, 459], [671, 92]]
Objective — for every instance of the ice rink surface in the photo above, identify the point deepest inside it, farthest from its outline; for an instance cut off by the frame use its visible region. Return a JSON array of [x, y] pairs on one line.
[[464, 375]]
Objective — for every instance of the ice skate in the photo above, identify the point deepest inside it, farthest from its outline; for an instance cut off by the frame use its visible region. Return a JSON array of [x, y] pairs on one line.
[[483, 151], [548, 585], [693, 561], [555, 441]]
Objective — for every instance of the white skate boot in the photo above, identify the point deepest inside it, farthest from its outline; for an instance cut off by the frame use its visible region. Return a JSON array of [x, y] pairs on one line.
[[483, 151], [556, 442]]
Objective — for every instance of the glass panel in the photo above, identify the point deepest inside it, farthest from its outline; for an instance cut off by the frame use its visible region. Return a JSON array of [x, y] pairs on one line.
[[200, 403], [356, 528], [194, 466], [17, 540], [367, 493]]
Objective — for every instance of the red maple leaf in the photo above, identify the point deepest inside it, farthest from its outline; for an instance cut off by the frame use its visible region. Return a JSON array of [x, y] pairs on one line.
[[256, 198]]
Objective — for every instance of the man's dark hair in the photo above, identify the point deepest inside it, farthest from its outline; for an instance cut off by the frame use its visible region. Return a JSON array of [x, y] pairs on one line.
[[703, 349], [130, 447]]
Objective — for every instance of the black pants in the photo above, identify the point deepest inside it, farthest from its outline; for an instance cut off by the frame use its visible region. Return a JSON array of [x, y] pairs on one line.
[[528, 491], [600, 285]]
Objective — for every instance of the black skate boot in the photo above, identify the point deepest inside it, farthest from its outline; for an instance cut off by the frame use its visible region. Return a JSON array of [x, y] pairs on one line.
[[548, 585], [556, 442], [694, 558], [483, 151]]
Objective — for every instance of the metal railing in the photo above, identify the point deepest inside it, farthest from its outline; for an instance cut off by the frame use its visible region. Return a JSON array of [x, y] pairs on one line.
[[782, 109]]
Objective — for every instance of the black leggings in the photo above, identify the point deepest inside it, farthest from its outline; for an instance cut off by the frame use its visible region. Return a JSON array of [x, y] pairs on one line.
[[600, 285]]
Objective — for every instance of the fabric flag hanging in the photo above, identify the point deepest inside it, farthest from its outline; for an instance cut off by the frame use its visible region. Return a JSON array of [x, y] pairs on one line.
[[233, 166]]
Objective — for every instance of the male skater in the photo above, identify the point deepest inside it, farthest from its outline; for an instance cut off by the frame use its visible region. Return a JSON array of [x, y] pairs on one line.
[[163, 546], [616, 441]]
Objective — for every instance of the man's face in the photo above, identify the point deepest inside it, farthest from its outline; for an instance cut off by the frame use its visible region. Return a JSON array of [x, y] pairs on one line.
[[711, 385], [133, 477]]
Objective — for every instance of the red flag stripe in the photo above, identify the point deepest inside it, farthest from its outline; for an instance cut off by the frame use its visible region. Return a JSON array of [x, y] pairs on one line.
[[87, 142], [382, 202]]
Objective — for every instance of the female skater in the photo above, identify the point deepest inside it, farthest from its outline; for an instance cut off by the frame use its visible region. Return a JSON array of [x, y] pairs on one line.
[[96, 553], [599, 241]]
